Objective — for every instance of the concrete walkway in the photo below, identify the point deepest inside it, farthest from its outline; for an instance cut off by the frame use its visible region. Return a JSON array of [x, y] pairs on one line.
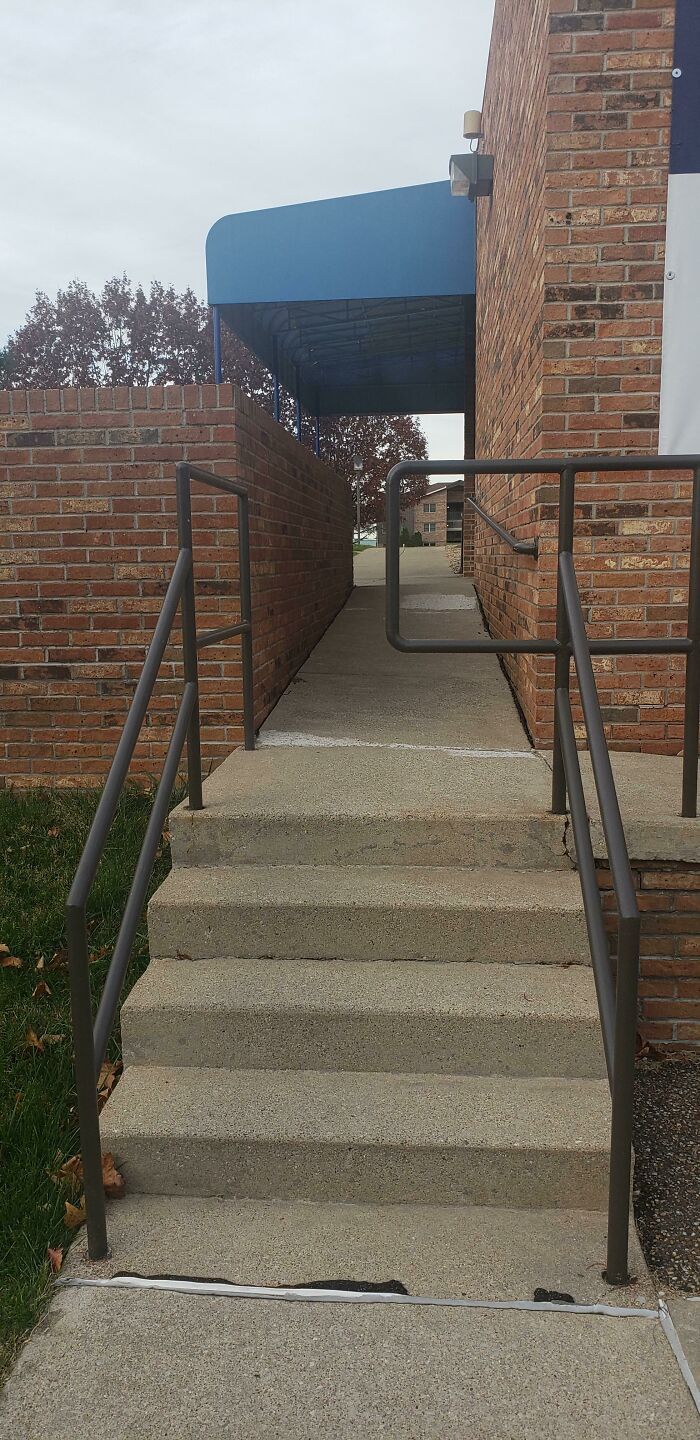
[[158, 1366], [369, 738], [356, 687]]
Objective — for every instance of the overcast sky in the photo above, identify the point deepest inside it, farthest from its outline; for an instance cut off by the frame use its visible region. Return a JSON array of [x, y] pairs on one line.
[[129, 126]]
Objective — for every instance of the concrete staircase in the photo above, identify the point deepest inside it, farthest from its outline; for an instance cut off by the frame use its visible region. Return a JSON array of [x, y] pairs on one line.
[[364, 996]]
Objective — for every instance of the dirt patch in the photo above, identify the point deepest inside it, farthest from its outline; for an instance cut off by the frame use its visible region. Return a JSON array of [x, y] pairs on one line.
[[667, 1169]]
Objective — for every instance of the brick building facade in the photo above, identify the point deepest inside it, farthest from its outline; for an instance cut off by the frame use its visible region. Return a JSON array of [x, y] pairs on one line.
[[570, 277], [87, 515], [438, 517], [570, 290]]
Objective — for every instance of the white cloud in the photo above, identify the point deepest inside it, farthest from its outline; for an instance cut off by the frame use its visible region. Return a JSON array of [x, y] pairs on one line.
[[130, 127]]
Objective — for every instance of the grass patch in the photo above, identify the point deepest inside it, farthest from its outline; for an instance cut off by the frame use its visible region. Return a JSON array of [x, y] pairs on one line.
[[42, 834]]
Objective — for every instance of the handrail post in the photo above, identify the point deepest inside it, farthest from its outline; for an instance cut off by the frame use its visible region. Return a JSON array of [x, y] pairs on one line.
[[247, 620], [84, 1063], [692, 665], [617, 1268], [189, 636], [562, 666]]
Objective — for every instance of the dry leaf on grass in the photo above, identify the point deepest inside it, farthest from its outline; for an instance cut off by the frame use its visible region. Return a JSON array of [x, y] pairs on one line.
[[59, 960], [32, 1041], [96, 955], [75, 1215], [41, 989], [53, 832], [112, 1179], [4, 949], [10, 962], [70, 1172], [55, 1258], [40, 964]]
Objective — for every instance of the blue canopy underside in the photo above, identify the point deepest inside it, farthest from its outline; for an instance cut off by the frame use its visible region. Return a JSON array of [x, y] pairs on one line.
[[363, 304]]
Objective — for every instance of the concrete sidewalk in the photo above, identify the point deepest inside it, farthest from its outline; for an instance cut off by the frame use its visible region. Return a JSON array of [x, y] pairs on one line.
[[356, 687], [149, 1365]]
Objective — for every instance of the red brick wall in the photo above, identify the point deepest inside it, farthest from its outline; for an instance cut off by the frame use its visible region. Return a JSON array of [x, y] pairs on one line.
[[668, 894], [509, 312], [569, 297], [88, 536]]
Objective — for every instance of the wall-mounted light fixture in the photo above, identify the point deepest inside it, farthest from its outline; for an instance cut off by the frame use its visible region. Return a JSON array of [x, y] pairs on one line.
[[471, 175]]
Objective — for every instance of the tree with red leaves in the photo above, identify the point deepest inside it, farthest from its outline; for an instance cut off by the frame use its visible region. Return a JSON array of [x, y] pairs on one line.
[[125, 336]]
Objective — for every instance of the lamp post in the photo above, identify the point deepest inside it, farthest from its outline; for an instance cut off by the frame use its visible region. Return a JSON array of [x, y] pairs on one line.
[[358, 466]]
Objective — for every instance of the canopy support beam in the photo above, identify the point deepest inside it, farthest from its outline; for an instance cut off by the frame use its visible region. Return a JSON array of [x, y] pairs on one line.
[[216, 322]]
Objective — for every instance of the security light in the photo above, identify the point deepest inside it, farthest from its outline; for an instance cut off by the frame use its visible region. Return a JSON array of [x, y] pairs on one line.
[[471, 175]]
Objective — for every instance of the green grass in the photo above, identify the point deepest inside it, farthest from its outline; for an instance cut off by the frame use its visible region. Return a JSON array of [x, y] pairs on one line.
[[41, 837], [357, 548]]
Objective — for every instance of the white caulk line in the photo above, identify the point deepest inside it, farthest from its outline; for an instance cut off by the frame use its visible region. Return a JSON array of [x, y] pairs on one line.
[[296, 738], [435, 603], [674, 1341], [343, 1297]]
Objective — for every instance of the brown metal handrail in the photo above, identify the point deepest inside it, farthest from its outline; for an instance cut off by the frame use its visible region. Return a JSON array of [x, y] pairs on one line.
[[90, 1040], [617, 991], [519, 547]]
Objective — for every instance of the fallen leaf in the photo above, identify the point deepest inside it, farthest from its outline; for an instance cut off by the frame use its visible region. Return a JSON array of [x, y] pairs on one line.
[[98, 954], [32, 1041], [40, 964], [4, 949], [55, 1258], [75, 1215], [112, 1179], [41, 989], [10, 962], [53, 832], [71, 1171], [109, 1074], [52, 1039], [59, 960]]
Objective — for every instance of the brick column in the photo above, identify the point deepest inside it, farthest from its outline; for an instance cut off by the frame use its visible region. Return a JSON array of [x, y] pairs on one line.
[[569, 313]]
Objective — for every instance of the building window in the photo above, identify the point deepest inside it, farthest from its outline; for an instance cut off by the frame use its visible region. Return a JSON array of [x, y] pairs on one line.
[[430, 527], [430, 509]]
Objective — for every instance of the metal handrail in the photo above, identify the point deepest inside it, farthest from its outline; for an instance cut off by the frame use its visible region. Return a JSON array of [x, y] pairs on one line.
[[617, 993], [623, 1019], [91, 1038], [520, 547]]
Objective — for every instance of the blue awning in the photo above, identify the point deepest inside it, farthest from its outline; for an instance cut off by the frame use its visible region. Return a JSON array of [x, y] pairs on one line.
[[362, 304]]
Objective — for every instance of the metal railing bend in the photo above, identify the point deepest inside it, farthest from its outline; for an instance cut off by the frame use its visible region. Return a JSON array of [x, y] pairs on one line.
[[616, 985], [91, 1039]]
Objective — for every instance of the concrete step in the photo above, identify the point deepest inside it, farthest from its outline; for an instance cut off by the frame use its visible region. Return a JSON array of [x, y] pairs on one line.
[[348, 1015], [438, 1250], [370, 912], [309, 1135], [296, 804]]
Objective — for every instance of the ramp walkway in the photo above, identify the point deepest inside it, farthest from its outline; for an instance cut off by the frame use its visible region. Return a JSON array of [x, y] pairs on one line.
[[367, 1049]]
